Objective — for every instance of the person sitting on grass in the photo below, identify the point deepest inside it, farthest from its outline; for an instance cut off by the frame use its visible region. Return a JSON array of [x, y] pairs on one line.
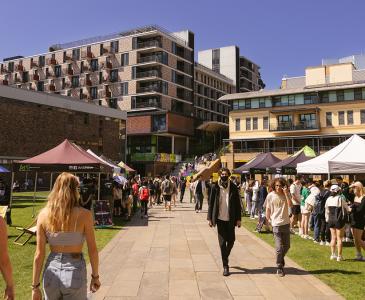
[[5, 265], [278, 203], [65, 226]]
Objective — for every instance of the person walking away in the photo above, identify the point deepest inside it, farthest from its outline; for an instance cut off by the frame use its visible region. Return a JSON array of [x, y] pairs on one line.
[[248, 196], [5, 264], [296, 218], [151, 188], [182, 188], [157, 185], [262, 196], [174, 190], [135, 189], [305, 214], [336, 209], [310, 201], [118, 196], [357, 218], [277, 204], [255, 195], [321, 229], [144, 196], [65, 226], [199, 194], [167, 190], [225, 212]]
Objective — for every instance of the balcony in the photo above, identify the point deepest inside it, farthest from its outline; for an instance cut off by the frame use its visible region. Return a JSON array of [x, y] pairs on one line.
[[68, 72], [149, 89], [51, 61], [105, 94], [289, 126], [52, 87], [68, 58], [19, 68], [50, 75], [106, 65], [151, 58], [148, 44], [34, 64], [87, 55], [146, 103], [146, 74], [35, 77]]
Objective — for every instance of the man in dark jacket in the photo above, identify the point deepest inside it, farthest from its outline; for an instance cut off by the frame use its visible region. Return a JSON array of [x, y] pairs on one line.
[[225, 212]]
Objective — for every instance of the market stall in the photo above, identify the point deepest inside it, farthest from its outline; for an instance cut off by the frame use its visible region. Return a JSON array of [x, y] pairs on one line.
[[259, 164]]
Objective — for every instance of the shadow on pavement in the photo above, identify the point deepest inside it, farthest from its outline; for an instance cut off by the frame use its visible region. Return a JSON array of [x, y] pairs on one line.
[[292, 271]]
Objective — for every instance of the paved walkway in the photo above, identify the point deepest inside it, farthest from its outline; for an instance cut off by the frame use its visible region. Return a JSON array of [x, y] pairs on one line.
[[175, 255]]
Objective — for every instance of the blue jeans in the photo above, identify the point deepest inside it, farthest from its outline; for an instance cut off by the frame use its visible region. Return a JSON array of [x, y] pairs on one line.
[[253, 209], [64, 277], [317, 220]]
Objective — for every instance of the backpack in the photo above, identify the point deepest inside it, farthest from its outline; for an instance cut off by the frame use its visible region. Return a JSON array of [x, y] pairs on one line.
[[341, 215], [167, 187], [319, 203], [145, 194], [135, 189]]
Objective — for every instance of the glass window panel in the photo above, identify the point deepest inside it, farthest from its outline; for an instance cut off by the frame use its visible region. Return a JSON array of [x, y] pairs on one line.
[[349, 94], [299, 99]]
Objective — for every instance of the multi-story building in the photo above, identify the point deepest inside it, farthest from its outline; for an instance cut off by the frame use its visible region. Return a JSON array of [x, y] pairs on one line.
[[320, 110], [358, 60], [148, 72], [228, 61]]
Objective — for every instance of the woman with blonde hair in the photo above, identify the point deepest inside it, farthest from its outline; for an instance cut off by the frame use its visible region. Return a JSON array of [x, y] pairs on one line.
[[65, 226], [357, 216]]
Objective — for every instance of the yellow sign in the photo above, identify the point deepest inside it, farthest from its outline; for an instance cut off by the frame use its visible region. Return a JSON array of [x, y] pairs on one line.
[[215, 177], [3, 210]]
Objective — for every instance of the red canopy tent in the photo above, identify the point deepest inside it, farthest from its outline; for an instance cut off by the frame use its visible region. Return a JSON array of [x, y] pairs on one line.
[[66, 157]]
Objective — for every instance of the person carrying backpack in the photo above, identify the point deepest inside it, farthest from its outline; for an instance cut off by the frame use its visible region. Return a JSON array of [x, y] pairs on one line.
[[135, 190], [321, 229], [167, 190], [144, 195]]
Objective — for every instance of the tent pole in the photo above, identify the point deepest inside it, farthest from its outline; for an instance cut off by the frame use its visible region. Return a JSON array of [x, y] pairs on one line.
[[35, 190], [50, 183], [99, 186], [11, 189]]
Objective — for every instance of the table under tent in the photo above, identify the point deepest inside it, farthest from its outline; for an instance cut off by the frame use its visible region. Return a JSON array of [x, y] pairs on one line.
[[65, 157]]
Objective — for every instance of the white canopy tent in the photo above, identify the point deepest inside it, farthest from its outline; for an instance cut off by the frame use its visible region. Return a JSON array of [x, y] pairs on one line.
[[115, 167], [347, 158]]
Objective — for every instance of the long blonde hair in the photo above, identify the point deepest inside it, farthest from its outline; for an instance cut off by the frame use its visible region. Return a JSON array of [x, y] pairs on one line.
[[61, 201]]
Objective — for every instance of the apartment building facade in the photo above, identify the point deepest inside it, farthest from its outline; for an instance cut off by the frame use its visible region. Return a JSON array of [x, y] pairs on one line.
[[320, 109], [229, 62]]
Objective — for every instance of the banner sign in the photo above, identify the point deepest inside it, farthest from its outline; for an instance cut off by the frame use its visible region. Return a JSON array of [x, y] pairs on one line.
[[102, 214], [158, 157], [19, 167]]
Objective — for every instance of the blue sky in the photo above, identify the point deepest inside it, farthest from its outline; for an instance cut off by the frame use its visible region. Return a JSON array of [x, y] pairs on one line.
[[282, 36]]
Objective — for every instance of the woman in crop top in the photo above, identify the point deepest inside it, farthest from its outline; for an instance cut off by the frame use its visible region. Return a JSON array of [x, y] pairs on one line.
[[65, 226]]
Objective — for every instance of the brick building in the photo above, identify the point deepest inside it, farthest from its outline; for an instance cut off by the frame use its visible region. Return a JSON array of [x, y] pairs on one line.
[[33, 122]]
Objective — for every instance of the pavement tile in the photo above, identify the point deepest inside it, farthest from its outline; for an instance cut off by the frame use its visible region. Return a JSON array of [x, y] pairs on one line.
[[244, 286], [125, 288], [184, 288]]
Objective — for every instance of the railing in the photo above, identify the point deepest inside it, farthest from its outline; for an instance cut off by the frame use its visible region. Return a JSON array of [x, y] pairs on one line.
[[146, 104], [69, 72], [151, 73], [19, 68], [51, 61], [34, 64], [106, 65], [152, 58], [148, 44], [86, 54], [292, 127], [147, 89]]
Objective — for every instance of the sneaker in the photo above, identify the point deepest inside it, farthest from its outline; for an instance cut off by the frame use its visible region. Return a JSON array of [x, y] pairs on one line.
[[359, 257], [280, 272], [316, 242], [322, 243], [328, 244], [339, 258], [333, 257]]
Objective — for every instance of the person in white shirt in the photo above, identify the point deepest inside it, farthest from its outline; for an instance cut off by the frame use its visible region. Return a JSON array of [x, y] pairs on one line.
[[255, 196], [295, 189]]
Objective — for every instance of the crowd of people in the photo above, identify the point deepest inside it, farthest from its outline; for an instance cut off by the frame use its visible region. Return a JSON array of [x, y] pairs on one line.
[[333, 210]]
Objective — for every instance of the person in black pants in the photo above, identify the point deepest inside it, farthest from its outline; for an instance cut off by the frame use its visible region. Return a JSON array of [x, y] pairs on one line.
[[182, 188], [225, 212], [199, 196]]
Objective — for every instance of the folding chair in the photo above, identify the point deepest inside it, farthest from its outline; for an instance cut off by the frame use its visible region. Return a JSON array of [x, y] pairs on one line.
[[31, 231]]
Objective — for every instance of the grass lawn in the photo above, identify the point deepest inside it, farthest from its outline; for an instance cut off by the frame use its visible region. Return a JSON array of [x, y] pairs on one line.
[[346, 277], [22, 256]]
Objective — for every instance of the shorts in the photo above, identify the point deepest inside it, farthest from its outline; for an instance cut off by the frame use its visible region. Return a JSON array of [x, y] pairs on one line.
[[303, 210], [64, 277], [167, 198], [295, 210]]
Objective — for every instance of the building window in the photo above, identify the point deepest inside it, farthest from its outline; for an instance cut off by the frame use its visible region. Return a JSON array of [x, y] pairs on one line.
[[350, 117], [159, 123], [324, 97], [216, 60], [124, 88], [266, 123], [124, 59], [362, 116], [254, 124], [238, 124], [165, 87], [41, 61], [40, 86], [101, 49], [328, 119], [76, 54], [94, 65], [248, 123], [247, 104], [358, 94], [114, 75], [341, 118], [340, 95], [94, 92], [75, 81], [57, 71], [114, 46]]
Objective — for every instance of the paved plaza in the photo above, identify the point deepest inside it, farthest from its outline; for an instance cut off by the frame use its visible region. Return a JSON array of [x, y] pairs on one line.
[[175, 255]]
